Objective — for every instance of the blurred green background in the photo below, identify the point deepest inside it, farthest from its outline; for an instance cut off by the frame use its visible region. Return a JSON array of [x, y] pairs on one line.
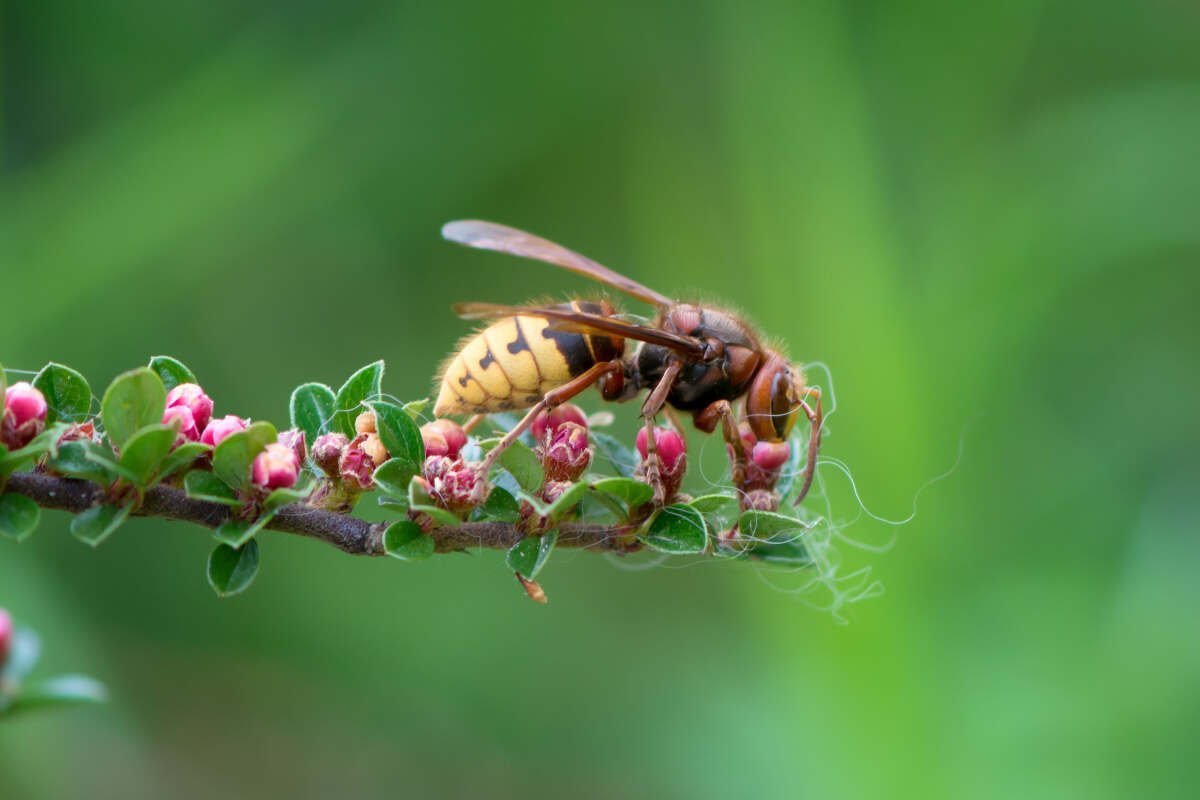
[[982, 217]]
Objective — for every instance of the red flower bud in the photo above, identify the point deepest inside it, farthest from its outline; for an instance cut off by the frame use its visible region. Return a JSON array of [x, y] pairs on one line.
[[356, 466], [327, 452], [276, 467], [764, 460], [672, 458], [443, 437], [294, 440], [453, 484], [566, 454], [6, 635], [550, 420], [182, 417], [218, 429], [193, 398], [671, 448], [24, 415]]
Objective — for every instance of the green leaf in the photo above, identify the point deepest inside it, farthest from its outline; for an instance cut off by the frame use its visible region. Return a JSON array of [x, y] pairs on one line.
[[366, 384], [400, 435], [420, 501], [72, 460], [58, 691], [203, 485], [18, 516], [237, 532], [23, 655], [676, 529], [566, 502], [98, 523], [132, 401], [630, 492], [393, 476], [171, 371], [406, 541], [622, 458], [231, 570], [529, 555], [145, 451], [105, 460], [181, 458], [500, 506], [282, 497], [523, 465], [236, 452], [311, 409], [68, 396], [416, 408], [714, 503], [775, 538], [45, 442]]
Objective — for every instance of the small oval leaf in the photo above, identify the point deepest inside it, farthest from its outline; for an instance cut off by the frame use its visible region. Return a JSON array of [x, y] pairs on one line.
[[234, 455], [406, 541], [68, 396], [18, 516], [230, 570], [145, 451], [524, 466], [172, 371], [132, 401], [366, 384], [400, 436], [96, 524], [630, 492], [311, 409], [676, 529], [528, 556]]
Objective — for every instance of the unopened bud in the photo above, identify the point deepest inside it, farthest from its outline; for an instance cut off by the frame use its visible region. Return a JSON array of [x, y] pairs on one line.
[[566, 453], [365, 422], [548, 421], [24, 415], [327, 452], [275, 467], [219, 429], [443, 437], [293, 439], [760, 500], [375, 449], [182, 418], [192, 397], [764, 462], [552, 490], [6, 636], [356, 467], [672, 458], [532, 588]]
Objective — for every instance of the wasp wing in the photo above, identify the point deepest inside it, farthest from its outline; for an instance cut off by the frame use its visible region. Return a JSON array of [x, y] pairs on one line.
[[493, 236], [581, 322]]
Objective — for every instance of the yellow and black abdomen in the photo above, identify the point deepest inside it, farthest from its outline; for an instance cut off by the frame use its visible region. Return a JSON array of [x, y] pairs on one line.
[[513, 362]]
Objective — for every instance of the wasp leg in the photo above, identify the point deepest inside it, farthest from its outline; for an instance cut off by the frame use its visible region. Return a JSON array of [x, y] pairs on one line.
[[706, 420], [552, 398], [815, 419], [655, 402]]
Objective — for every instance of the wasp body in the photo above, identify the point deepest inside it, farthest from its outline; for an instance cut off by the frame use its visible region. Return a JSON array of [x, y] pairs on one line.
[[694, 358]]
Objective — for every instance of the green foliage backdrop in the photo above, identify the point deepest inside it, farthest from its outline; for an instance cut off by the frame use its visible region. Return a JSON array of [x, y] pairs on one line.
[[982, 217]]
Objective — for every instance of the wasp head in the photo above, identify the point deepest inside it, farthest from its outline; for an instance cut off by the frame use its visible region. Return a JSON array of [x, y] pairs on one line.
[[775, 398]]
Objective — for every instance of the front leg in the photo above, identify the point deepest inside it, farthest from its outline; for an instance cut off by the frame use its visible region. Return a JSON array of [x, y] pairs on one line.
[[720, 412], [654, 404]]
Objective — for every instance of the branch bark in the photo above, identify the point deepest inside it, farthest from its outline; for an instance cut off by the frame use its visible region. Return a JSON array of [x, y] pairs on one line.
[[348, 534]]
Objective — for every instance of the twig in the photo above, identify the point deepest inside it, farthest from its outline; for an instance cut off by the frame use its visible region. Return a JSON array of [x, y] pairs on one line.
[[347, 533]]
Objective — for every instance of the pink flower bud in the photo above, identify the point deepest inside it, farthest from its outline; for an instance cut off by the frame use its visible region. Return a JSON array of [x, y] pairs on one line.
[[356, 467], [566, 453], [443, 437], [771, 455], [192, 397], [672, 458], [550, 420], [183, 418], [294, 440], [6, 635], [276, 467], [453, 484], [24, 415], [218, 429], [327, 452], [671, 447]]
